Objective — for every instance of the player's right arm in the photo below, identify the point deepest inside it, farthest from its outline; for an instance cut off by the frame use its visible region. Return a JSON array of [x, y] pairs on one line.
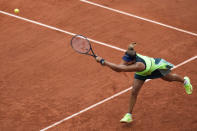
[[138, 66]]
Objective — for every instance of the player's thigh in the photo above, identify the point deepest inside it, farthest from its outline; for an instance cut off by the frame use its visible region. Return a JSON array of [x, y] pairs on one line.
[[169, 77], [137, 84]]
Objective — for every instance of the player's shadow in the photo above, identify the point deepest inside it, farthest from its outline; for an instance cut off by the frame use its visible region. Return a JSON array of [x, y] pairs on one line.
[[128, 125]]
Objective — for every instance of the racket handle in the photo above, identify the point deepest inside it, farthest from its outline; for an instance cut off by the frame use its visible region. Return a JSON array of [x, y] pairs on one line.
[[94, 56]]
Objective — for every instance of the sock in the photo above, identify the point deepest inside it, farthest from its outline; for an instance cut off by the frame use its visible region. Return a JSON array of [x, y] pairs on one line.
[[129, 114], [185, 82]]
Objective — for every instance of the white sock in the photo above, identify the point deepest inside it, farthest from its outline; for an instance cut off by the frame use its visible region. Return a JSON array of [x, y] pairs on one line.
[[185, 82], [129, 114]]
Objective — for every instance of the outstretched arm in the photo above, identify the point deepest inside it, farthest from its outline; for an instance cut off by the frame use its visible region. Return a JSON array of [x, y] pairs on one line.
[[121, 67]]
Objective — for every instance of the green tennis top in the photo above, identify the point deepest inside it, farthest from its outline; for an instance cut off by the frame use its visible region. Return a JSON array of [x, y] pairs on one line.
[[152, 64]]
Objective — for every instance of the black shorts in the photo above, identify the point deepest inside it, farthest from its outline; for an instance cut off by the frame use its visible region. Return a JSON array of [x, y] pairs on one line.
[[155, 74]]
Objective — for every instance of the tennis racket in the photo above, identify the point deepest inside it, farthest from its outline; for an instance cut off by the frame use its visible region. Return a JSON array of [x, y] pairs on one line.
[[82, 45]]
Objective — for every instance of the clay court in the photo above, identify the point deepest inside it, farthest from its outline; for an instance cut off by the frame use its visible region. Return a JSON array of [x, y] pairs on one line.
[[46, 85]]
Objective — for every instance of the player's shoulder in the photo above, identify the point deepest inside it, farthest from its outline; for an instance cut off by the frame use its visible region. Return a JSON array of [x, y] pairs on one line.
[[140, 66]]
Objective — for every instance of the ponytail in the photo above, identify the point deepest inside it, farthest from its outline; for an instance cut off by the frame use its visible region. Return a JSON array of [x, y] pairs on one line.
[[131, 46]]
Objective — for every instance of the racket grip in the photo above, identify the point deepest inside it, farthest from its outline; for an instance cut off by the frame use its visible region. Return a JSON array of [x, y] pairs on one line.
[[95, 56]]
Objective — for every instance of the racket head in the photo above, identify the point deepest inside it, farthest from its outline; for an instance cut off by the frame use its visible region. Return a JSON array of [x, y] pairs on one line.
[[80, 44]]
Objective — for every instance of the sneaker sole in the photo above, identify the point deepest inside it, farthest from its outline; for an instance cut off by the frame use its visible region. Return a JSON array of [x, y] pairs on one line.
[[125, 121]]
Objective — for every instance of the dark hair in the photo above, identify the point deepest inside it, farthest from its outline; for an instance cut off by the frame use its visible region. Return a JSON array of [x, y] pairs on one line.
[[131, 52], [131, 46]]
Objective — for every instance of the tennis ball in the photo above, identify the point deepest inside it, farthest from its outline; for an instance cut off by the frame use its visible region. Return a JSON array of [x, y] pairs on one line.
[[16, 11]]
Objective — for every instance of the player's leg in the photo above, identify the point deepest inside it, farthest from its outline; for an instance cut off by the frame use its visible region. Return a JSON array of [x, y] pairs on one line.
[[175, 77], [137, 84]]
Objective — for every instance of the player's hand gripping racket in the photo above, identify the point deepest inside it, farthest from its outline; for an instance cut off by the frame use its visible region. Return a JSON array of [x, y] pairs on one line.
[[82, 45]]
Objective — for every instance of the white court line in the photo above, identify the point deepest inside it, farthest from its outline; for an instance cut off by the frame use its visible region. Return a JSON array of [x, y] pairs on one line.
[[57, 29], [138, 17], [107, 99]]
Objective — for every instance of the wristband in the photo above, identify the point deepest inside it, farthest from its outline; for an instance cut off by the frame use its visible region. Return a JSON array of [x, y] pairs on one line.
[[102, 61]]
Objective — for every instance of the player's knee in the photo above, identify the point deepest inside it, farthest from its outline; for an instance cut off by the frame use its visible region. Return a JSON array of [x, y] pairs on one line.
[[174, 76], [134, 92], [170, 80]]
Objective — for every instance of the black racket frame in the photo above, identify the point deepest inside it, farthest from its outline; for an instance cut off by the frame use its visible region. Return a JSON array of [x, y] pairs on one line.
[[87, 53]]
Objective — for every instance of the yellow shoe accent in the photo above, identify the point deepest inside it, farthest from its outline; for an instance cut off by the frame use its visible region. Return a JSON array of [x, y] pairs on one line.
[[127, 118], [188, 85]]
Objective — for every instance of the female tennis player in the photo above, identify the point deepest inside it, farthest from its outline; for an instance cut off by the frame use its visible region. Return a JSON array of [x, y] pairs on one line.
[[145, 68]]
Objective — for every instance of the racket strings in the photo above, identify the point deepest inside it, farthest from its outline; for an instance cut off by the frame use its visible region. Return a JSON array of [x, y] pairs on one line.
[[80, 44]]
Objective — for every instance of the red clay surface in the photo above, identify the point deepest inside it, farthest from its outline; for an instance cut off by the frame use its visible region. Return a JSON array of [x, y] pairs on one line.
[[42, 80]]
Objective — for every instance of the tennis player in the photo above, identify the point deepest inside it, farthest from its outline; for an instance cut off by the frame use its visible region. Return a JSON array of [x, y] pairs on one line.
[[145, 68]]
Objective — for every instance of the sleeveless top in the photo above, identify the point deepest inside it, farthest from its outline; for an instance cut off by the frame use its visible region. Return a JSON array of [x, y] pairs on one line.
[[152, 64]]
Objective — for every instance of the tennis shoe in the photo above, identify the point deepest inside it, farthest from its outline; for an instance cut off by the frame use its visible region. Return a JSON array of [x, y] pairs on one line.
[[127, 118], [188, 85]]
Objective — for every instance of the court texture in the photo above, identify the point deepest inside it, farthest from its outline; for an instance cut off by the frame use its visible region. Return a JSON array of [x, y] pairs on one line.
[[46, 86]]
